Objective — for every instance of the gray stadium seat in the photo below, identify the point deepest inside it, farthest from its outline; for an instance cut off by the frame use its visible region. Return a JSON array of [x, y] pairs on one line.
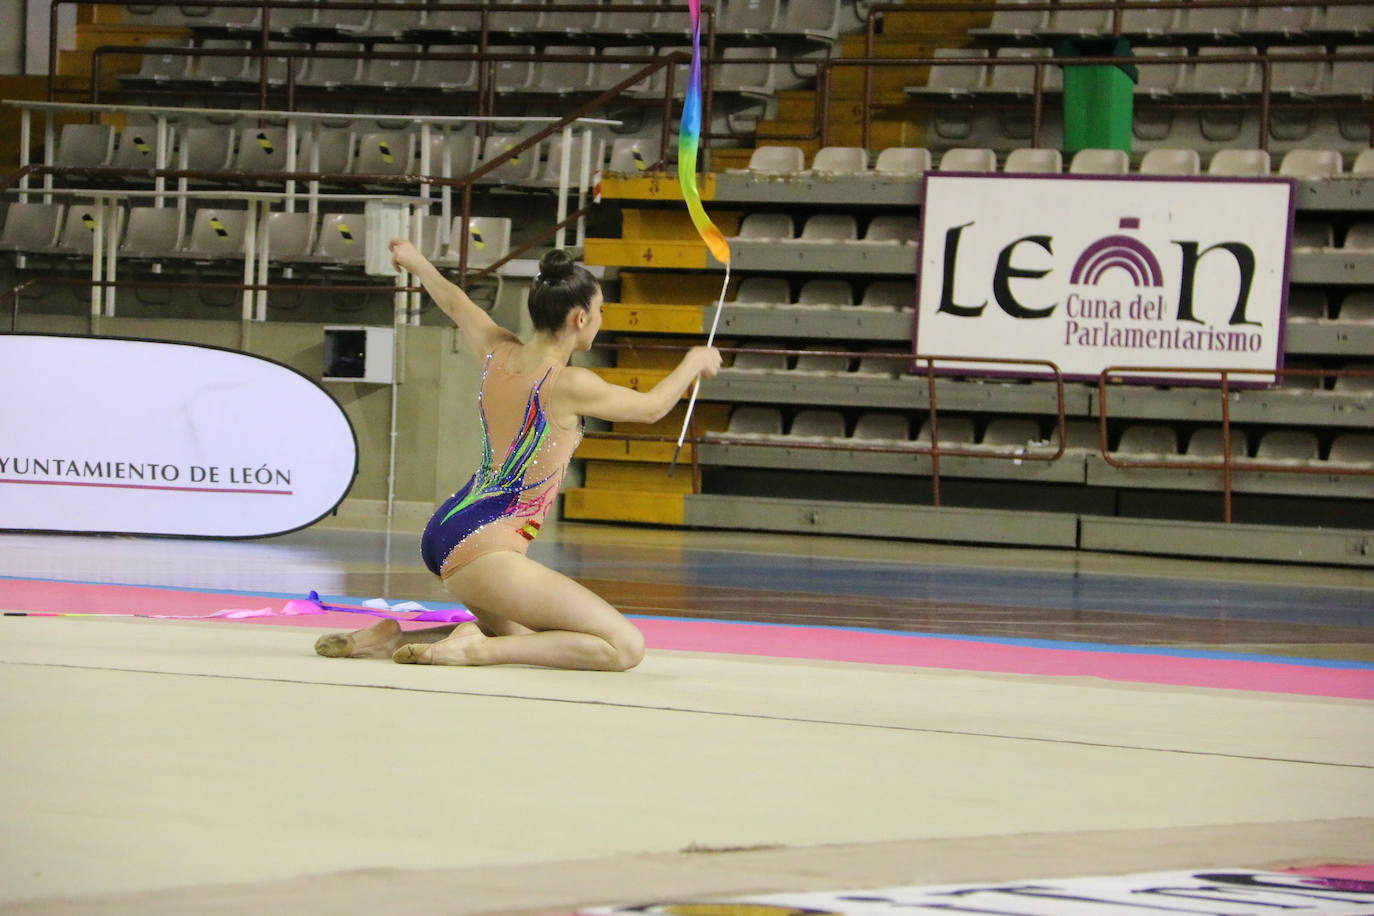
[[892, 229], [1364, 162], [1290, 22], [1160, 80], [828, 229], [1243, 163], [1012, 434], [488, 240], [748, 17], [216, 233], [840, 160], [777, 160], [385, 153], [30, 226], [952, 431], [1288, 447], [1148, 442], [1306, 304], [382, 73], [631, 155], [1034, 161], [754, 423], [1019, 79], [522, 169], [563, 77], [137, 147], [1162, 161], [821, 365], [151, 232], [890, 295], [84, 145], [761, 362], [1210, 78], [448, 75], [877, 367], [817, 425], [1206, 444], [335, 149], [1222, 23], [825, 293], [1355, 384], [763, 291], [207, 148], [290, 235], [342, 239], [1296, 77], [1100, 162], [954, 80], [1353, 449], [968, 159], [162, 68], [514, 75], [1312, 234], [1311, 164], [1358, 307], [553, 19], [1360, 237], [766, 227], [333, 72], [887, 428], [223, 69], [1354, 20], [1080, 436], [903, 160], [1009, 22], [79, 225], [261, 149]]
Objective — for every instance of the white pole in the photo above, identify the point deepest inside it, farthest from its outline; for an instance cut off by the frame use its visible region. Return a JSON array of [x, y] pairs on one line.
[[564, 163], [250, 252], [110, 211]]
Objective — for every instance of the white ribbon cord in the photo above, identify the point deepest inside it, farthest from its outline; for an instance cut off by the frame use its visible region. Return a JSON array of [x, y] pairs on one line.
[[696, 386]]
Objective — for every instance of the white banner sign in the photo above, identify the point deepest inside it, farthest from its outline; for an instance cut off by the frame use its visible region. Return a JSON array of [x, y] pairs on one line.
[[1209, 892], [1090, 272], [147, 437]]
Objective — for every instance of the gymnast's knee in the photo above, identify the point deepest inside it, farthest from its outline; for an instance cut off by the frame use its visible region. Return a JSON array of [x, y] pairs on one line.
[[627, 649]]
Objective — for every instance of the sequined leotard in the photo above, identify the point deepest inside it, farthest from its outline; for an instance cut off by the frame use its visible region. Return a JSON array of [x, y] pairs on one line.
[[502, 505]]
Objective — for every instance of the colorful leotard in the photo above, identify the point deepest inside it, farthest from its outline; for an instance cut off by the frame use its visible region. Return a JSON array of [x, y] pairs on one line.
[[502, 506]]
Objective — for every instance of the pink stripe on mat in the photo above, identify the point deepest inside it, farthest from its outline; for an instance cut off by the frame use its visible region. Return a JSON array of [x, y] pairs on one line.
[[820, 643]]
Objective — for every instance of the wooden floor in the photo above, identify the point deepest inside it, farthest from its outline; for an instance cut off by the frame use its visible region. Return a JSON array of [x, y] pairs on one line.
[[160, 766]]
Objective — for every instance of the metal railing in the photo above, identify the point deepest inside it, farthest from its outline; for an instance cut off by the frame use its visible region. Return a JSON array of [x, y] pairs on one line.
[[1113, 377], [933, 449]]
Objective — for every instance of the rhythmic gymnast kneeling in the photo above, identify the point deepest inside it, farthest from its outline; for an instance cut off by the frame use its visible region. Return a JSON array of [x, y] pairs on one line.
[[531, 404]]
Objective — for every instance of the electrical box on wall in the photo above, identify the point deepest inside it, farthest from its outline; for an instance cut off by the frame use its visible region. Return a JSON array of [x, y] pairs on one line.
[[385, 220], [359, 354]]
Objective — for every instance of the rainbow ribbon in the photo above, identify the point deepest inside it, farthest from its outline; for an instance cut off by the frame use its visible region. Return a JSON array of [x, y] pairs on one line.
[[689, 139]]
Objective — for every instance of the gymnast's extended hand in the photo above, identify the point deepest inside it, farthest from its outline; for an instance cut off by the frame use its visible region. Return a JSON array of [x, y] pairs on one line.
[[475, 324]]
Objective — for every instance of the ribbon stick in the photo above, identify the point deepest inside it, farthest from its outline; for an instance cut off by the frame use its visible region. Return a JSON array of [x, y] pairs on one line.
[[689, 140]]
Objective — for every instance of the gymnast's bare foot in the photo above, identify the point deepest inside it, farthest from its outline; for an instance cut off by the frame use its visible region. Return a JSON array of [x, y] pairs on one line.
[[377, 641], [459, 648]]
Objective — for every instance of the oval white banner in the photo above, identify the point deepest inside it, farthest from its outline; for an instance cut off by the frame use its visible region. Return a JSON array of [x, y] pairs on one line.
[[117, 435]]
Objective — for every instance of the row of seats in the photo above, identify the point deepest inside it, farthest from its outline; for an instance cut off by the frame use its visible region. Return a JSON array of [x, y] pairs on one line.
[[775, 292], [340, 151], [1164, 72], [1021, 435], [1307, 305], [156, 233], [1179, 18], [1319, 235], [742, 70], [829, 229], [915, 161], [885, 362], [816, 20]]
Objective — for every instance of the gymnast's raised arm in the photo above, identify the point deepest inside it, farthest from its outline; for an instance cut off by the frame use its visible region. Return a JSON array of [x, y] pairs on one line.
[[476, 326]]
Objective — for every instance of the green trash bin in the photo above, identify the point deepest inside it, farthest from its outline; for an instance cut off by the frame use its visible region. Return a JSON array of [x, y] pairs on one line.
[[1098, 100]]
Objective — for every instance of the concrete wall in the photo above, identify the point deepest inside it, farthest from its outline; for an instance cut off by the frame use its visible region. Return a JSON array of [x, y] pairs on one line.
[[12, 14]]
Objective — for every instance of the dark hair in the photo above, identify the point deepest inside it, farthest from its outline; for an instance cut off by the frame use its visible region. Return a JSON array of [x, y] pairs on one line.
[[560, 287]]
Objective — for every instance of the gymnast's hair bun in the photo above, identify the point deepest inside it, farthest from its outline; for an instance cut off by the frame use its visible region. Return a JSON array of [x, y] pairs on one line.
[[556, 266]]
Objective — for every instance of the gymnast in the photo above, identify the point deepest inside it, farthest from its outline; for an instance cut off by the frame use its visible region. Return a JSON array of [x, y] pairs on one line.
[[531, 404]]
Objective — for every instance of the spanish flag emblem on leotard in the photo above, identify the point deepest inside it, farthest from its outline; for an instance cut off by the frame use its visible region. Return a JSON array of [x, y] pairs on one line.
[[529, 530]]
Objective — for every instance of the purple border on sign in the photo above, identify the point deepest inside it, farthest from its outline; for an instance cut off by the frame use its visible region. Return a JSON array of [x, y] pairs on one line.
[[1291, 183]]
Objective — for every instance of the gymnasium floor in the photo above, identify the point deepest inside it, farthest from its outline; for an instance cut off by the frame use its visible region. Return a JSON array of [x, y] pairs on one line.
[[814, 714]]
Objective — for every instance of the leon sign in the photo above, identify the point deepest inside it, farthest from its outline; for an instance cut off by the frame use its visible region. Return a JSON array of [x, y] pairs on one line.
[[1090, 272], [102, 434]]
